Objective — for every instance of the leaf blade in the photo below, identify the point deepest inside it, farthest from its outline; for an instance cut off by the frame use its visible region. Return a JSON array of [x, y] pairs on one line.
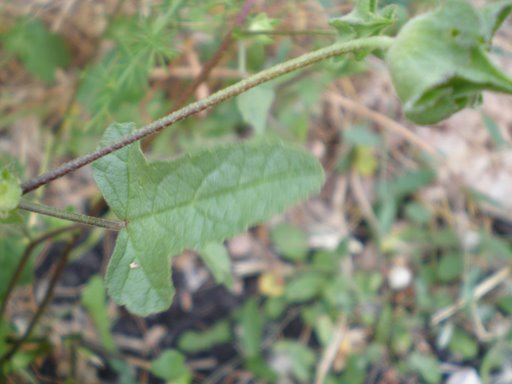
[[188, 202]]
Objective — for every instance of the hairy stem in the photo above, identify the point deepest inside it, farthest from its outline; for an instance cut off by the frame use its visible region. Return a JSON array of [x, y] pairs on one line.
[[336, 49], [113, 225], [290, 32]]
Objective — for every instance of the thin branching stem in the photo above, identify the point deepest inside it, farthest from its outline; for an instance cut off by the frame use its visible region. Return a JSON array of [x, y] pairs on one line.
[[59, 268], [300, 62], [24, 260], [113, 225]]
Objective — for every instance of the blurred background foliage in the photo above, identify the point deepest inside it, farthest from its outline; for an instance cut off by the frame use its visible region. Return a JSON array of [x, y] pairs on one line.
[[398, 272]]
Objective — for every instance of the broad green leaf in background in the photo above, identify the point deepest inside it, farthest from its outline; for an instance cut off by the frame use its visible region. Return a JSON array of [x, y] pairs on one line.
[[493, 14], [172, 205], [304, 287], [427, 366], [216, 257], [93, 299], [290, 241], [40, 50], [171, 367], [254, 106], [463, 344], [439, 64]]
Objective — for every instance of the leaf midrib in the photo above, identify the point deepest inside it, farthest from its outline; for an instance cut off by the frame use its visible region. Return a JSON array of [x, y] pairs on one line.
[[229, 190]]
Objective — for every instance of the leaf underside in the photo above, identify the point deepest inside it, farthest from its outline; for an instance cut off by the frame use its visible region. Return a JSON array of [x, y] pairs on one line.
[[185, 203], [439, 62]]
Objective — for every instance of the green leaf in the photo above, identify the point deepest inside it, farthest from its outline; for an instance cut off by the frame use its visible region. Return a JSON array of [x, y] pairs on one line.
[[418, 213], [364, 20], [40, 51], [361, 135], [254, 106], [493, 15], [402, 339], [386, 215], [172, 205], [290, 241], [463, 344], [251, 324], [450, 267], [217, 259], [304, 287], [10, 192], [439, 65], [356, 370], [93, 299], [171, 367], [405, 184], [384, 325], [505, 304], [193, 341], [125, 372], [426, 366]]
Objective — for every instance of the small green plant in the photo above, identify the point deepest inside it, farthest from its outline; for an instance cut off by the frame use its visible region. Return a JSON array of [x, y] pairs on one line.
[[439, 64]]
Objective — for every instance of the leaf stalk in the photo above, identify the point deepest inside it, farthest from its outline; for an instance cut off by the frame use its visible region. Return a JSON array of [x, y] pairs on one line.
[[113, 225]]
